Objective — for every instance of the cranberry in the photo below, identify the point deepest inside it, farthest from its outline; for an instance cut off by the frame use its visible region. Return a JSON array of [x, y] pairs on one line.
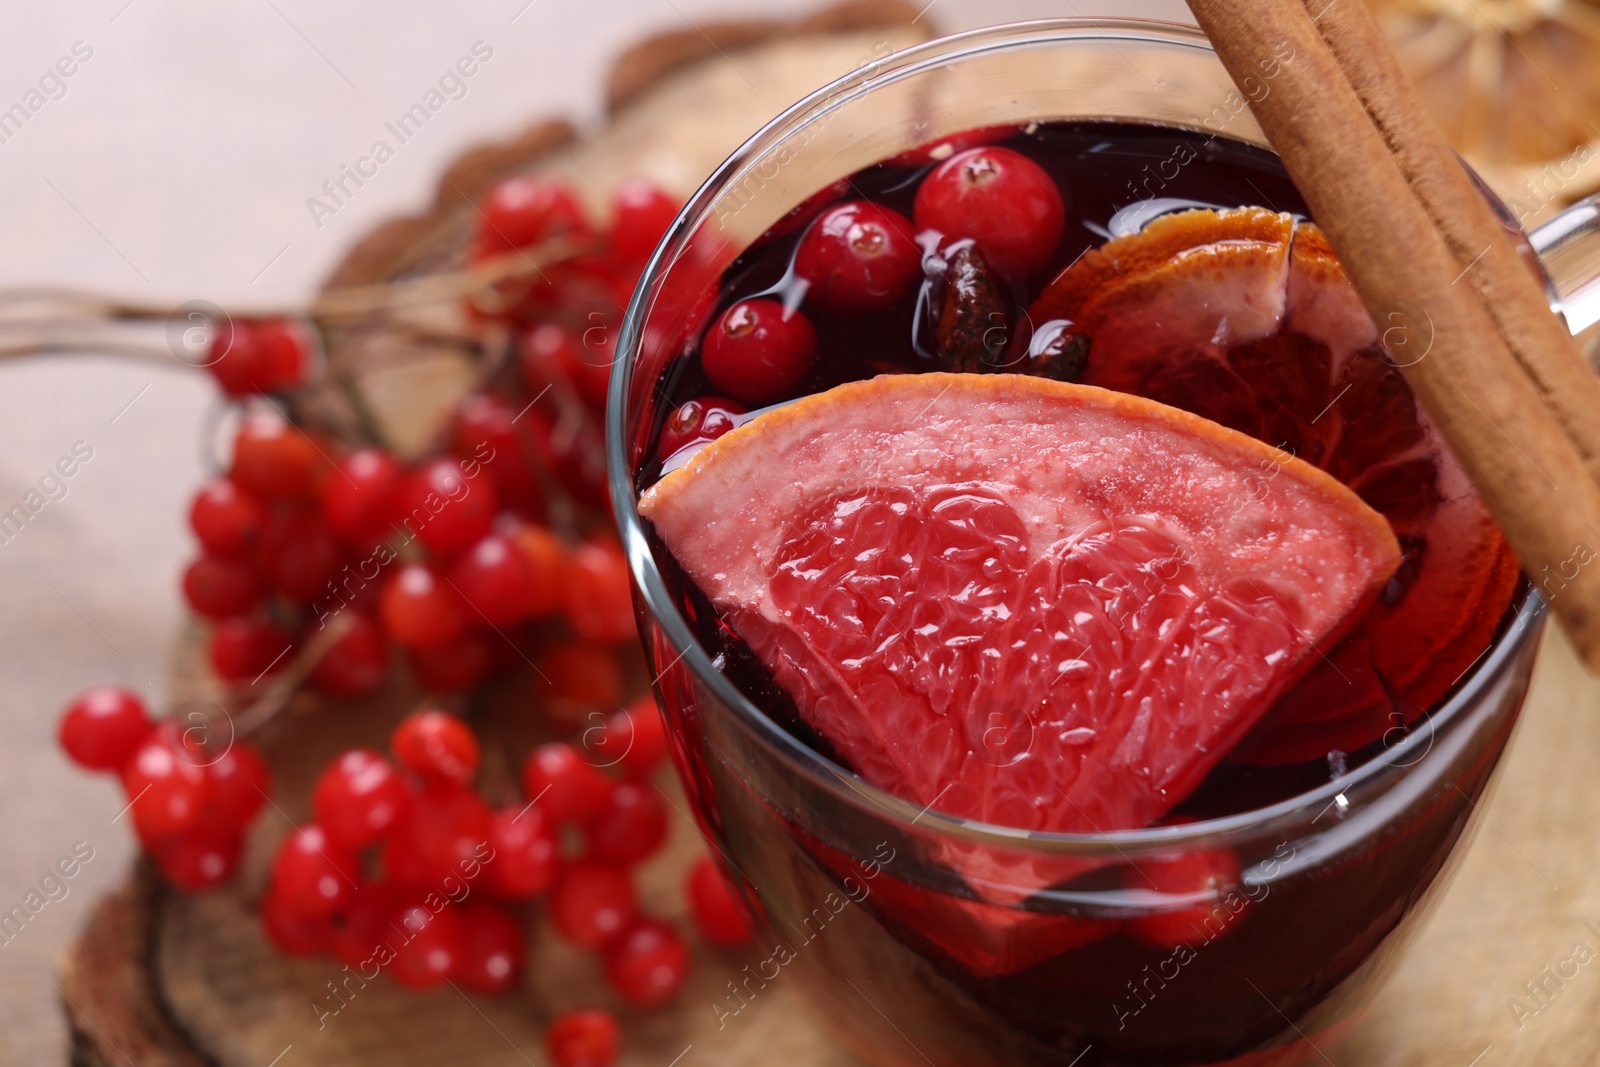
[[239, 784], [632, 827], [301, 555], [430, 943], [358, 496], [266, 356], [552, 353], [546, 557], [945, 147], [569, 789], [1001, 199], [358, 798], [492, 949], [453, 667], [437, 746], [198, 861], [484, 430], [226, 519], [526, 852], [1213, 874], [695, 421], [272, 459], [591, 903], [496, 579], [583, 1039], [443, 508], [599, 596], [523, 210], [243, 649], [313, 876], [858, 257], [443, 833], [419, 610], [648, 964], [642, 214], [357, 663], [167, 791], [758, 351], [218, 588], [715, 905], [294, 934], [804, 211], [103, 728], [632, 738], [574, 451], [360, 931]]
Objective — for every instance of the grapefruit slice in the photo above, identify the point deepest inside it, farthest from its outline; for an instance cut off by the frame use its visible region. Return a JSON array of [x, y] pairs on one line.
[[1042, 605], [1246, 317]]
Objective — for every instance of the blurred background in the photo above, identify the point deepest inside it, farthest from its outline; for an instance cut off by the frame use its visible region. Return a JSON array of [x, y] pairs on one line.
[[175, 164]]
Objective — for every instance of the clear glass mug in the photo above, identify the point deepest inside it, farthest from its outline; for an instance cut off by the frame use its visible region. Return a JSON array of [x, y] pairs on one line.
[[854, 887]]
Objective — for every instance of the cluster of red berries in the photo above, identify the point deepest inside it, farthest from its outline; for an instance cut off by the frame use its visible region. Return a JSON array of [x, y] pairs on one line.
[[424, 558], [408, 870], [857, 257], [191, 795]]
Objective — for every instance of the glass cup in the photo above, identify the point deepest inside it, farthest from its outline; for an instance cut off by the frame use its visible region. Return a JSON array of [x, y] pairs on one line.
[[856, 890]]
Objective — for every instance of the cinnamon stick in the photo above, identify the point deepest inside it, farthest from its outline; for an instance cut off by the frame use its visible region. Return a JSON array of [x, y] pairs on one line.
[[1529, 473], [1479, 239]]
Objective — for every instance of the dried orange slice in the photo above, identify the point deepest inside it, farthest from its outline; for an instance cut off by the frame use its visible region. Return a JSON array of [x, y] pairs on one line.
[[1042, 605], [1245, 317]]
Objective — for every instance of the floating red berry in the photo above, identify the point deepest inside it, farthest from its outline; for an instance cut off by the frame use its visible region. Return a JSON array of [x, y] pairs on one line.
[[492, 948], [1213, 875], [226, 519], [858, 257], [243, 649], [443, 508], [358, 496], [272, 459], [713, 902], [313, 876], [358, 798], [591, 903], [599, 596], [632, 827], [103, 727], [694, 421], [429, 943], [648, 964], [583, 1039], [419, 610], [642, 213], [167, 791], [357, 663], [945, 147], [522, 211], [1002, 200], [569, 789], [526, 852], [758, 351], [437, 746]]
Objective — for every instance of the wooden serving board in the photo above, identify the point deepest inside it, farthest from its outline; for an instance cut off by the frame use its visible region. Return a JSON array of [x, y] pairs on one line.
[[163, 979]]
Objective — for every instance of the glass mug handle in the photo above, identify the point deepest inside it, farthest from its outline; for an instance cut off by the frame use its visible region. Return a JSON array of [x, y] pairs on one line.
[[1569, 248]]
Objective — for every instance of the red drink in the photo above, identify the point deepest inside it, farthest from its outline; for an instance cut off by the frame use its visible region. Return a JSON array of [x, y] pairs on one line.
[[1207, 941]]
